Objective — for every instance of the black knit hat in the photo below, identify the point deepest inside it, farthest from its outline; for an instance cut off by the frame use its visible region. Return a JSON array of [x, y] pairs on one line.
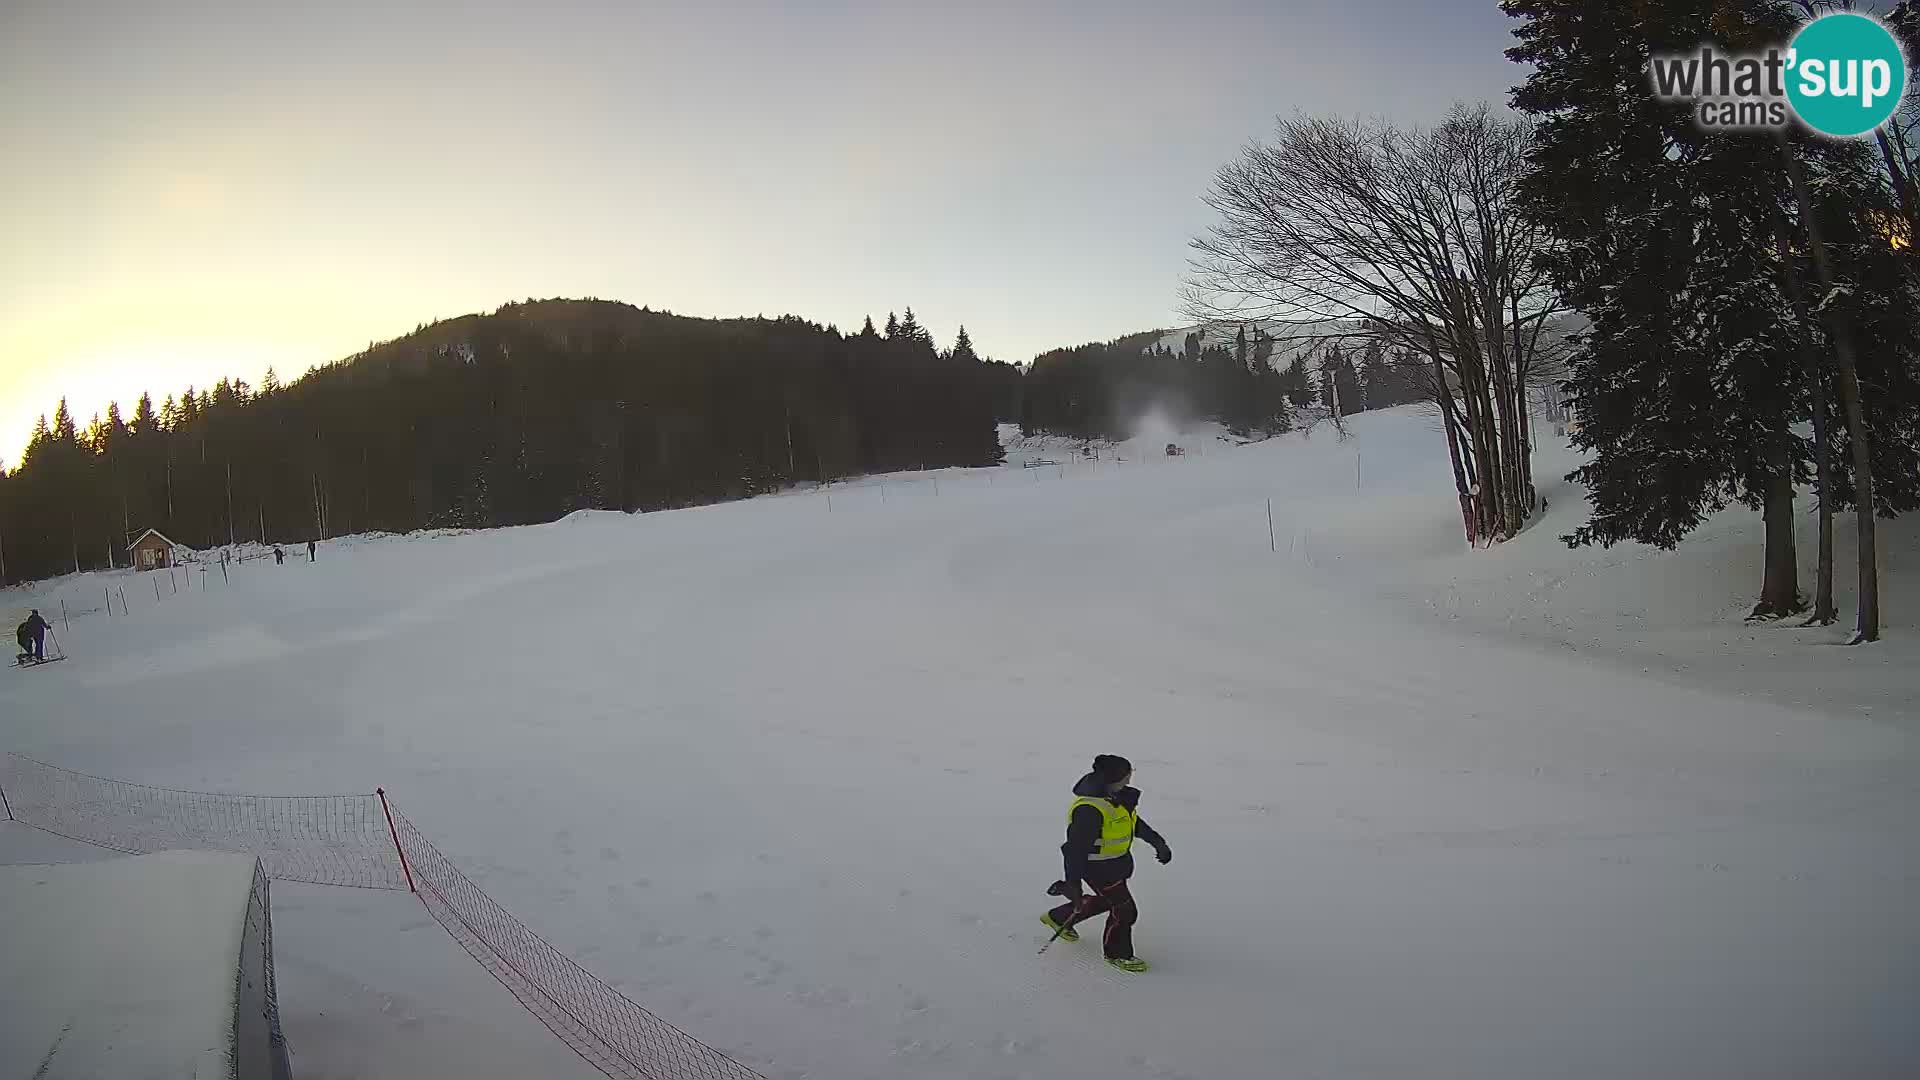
[[1111, 768]]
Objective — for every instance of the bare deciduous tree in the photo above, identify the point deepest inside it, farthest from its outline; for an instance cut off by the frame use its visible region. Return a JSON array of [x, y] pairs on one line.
[[1414, 239]]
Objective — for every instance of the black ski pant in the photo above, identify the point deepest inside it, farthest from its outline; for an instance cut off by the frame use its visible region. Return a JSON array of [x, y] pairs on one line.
[[1116, 900]]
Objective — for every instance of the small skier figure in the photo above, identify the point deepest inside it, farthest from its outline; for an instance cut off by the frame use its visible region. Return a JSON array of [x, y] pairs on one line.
[[1101, 824], [32, 636], [310, 551], [279, 557]]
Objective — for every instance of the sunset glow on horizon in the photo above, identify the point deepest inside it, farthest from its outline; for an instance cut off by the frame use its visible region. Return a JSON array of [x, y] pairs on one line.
[[213, 189]]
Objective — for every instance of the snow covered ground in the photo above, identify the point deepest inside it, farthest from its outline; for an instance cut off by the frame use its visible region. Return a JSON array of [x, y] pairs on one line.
[[793, 773], [126, 967]]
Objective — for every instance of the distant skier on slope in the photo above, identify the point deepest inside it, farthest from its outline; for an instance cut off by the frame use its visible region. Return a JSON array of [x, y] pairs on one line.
[[1101, 824], [32, 636]]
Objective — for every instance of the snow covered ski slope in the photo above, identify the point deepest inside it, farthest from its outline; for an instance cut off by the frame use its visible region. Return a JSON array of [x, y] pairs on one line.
[[793, 773]]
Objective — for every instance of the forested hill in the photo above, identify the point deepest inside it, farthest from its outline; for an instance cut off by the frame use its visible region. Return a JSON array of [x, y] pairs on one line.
[[520, 416], [1250, 378]]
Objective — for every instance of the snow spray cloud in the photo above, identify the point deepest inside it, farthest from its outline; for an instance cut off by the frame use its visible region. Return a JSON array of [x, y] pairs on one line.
[[1842, 75], [1156, 424]]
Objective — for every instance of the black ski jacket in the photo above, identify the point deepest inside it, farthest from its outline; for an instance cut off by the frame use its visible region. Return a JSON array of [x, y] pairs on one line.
[[1083, 836]]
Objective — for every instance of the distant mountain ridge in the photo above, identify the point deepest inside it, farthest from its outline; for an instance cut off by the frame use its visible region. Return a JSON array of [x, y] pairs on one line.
[[512, 417]]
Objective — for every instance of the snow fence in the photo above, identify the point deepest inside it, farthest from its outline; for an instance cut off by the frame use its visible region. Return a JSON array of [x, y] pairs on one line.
[[354, 840], [324, 839]]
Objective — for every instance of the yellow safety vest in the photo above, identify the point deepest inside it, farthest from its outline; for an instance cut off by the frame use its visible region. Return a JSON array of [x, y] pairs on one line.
[[1116, 827]]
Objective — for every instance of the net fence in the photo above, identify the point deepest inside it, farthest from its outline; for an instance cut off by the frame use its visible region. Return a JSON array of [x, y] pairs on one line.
[[323, 839], [254, 990], [350, 840], [601, 1024]]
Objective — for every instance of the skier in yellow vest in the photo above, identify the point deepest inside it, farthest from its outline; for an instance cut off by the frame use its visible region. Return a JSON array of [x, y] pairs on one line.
[[1101, 825]]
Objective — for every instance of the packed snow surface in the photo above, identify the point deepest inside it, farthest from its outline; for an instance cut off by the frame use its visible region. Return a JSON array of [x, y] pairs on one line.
[[122, 968], [793, 773]]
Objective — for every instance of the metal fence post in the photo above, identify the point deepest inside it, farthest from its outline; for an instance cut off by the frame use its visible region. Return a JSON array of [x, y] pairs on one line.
[[395, 833]]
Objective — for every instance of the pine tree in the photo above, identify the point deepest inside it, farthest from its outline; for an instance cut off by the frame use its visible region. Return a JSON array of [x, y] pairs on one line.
[[893, 326], [1377, 383], [1348, 383], [37, 442], [1339, 383], [63, 430], [144, 422], [1271, 412], [115, 429], [867, 330], [963, 349], [1686, 382], [1869, 296], [1298, 384], [270, 385], [911, 330]]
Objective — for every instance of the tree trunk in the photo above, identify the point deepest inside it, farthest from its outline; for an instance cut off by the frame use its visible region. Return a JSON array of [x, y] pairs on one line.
[[1523, 446], [1520, 351], [1824, 612], [1902, 183], [1507, 421], [1477, 403], [1493, 474], [1780, 588], [1515, 452], [1482, 463], [1444, 397], [1513, 433], [1460, 482], [1490, 446], [1905, 154], [1867, 628]]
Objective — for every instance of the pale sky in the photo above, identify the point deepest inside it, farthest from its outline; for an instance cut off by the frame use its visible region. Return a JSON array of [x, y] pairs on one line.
[[204, 187]]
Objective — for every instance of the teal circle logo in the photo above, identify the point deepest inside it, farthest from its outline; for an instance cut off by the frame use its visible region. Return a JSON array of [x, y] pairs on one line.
[[1846, 74]]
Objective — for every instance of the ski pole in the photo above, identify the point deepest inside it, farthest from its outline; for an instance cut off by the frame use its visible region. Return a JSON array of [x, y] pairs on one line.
[[1072, 920], [1073, 917]]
